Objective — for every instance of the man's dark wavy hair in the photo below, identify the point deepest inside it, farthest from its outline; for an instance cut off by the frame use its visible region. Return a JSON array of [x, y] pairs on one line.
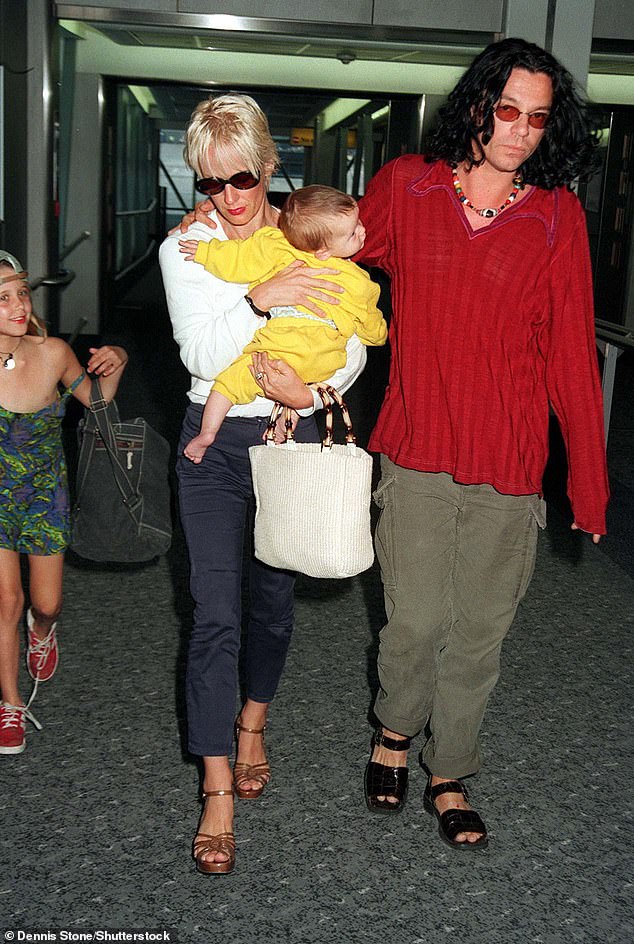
[[569, 148]]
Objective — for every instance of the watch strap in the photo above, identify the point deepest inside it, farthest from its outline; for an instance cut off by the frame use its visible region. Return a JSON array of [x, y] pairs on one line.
[[254, 308]]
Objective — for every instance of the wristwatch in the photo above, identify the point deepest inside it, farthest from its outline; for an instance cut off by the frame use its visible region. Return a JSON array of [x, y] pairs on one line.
[[255, 309]]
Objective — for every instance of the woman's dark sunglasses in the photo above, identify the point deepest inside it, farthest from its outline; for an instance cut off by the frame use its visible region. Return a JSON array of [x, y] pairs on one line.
[[212, 186], [536, 119]]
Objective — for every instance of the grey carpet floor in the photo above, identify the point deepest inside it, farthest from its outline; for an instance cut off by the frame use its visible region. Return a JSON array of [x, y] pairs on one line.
[[99, 812]]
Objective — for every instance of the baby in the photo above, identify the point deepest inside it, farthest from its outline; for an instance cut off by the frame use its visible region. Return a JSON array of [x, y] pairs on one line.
[[316, 223]]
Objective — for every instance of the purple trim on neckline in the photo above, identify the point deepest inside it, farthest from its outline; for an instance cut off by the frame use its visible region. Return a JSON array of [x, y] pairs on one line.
[[419, 187]]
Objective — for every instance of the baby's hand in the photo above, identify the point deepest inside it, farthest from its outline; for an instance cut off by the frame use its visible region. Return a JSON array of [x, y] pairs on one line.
[[188, 247]]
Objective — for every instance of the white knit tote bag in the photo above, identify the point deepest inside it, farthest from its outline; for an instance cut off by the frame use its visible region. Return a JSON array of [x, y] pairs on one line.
[[313, 500]]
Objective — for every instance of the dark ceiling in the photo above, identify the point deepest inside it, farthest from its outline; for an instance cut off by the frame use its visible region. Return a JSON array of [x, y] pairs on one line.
[[284, 109]]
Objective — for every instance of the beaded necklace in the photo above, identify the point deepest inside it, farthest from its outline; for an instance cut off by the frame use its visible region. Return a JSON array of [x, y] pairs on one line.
[[487, 212]]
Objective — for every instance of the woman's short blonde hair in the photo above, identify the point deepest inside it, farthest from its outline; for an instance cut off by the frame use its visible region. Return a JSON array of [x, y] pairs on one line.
[[307, 215], [230, 125]]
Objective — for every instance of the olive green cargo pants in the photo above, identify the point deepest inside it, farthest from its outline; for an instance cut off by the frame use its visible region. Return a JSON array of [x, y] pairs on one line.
[[455, 561]]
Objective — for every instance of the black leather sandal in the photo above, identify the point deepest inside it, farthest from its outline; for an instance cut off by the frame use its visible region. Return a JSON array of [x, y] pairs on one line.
[[384, 781], [454, 821]]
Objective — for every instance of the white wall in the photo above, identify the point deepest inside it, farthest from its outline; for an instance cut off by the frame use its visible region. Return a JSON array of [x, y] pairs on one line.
[[81, 297]]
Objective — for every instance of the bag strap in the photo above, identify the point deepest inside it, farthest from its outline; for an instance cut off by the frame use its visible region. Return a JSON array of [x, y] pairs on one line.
[[101, 418], [328, 396], [276, 412], [100, 408]]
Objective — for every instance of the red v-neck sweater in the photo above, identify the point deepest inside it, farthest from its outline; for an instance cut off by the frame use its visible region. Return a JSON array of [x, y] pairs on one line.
[[489, 326]]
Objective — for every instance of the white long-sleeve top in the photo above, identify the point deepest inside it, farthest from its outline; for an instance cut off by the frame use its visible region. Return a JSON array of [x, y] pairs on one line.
[[212, 324]]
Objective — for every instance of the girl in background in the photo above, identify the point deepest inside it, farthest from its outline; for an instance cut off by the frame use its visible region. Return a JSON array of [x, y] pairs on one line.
[[34, 501]]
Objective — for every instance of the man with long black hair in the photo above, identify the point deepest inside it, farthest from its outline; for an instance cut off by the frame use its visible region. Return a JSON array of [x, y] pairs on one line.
[[492, 322]]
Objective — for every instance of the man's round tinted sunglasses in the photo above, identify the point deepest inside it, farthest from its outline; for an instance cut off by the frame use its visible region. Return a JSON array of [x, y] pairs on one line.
[[536, 119], [212, 186]]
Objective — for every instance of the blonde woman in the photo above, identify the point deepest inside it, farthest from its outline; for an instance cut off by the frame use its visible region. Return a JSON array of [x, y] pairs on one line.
[[230, 148]]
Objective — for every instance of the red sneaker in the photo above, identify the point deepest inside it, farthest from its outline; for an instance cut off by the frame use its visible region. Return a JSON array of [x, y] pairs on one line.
[[12, 727], [43, 654]]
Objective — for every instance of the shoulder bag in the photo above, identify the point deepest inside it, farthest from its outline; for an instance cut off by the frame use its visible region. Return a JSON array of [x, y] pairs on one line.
[[122, 511]]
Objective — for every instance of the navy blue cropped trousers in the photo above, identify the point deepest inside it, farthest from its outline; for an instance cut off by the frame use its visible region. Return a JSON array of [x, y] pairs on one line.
[[215, 500]]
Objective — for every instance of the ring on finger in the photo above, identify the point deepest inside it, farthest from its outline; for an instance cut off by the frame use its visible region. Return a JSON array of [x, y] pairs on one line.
[[259, 375]]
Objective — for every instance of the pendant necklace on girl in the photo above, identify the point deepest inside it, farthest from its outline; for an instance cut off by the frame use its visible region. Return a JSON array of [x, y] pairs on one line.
[[7, 358], [487, 212]]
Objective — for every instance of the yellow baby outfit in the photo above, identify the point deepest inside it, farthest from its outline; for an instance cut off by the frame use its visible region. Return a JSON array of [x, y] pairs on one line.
[[314, 347]]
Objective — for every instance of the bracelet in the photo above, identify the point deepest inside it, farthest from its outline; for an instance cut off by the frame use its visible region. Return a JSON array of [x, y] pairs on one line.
[[255, 309]]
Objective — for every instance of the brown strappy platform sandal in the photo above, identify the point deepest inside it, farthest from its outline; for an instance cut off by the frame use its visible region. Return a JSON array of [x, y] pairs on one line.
[[260, 773], [205, 843]]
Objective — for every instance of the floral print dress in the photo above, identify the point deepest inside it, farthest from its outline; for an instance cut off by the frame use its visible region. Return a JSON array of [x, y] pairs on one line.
[[34, 500]]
